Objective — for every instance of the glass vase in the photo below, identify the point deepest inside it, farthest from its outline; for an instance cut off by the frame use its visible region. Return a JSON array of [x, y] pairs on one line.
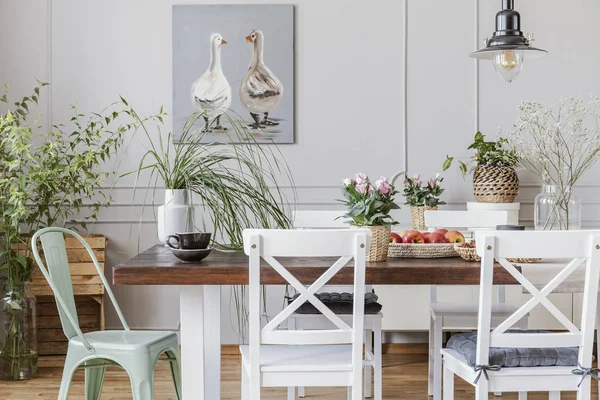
[[18, 336], [557, 208]]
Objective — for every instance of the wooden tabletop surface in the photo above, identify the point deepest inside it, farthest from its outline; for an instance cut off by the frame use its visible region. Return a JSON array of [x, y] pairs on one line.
[[158, 266]]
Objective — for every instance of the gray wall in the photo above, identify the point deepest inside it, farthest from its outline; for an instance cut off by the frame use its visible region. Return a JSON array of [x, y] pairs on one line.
[[349, 94]]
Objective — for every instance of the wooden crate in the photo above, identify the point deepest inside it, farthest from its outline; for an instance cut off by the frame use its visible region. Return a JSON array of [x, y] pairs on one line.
[[88, 290]]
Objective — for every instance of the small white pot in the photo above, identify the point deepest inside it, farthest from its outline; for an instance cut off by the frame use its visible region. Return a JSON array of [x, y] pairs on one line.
[[176, 215]]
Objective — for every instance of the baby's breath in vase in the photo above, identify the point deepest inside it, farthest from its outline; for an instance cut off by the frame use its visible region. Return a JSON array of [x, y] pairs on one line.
[[558, 144]]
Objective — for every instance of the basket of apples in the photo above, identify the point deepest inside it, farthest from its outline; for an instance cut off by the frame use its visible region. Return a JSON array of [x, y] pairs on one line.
[[416, 244]]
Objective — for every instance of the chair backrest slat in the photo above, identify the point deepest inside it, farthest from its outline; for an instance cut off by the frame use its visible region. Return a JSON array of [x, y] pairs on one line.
[[320, 219], [579, 246], [58, 274], [476, 219], [55, 253]]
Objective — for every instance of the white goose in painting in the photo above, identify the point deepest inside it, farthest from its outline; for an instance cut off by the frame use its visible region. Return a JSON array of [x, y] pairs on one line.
[[211, 93], [260, 91]]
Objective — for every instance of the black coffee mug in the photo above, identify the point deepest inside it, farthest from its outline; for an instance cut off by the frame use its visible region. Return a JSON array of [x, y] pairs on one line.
[[189, 241]]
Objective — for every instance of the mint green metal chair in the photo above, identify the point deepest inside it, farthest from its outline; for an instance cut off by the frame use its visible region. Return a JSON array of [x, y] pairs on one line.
[[135, 351]]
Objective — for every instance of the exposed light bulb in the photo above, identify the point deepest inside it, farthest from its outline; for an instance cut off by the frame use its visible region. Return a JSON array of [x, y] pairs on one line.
[[508, 63]]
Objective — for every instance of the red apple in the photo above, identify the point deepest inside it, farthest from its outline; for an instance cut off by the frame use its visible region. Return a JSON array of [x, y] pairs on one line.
[[442, 231], [395, 238], [455, 237], [425, 234], [402, 233], [436, 237], [413, 237]]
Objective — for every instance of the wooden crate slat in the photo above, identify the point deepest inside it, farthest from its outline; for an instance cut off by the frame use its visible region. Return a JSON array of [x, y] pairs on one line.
[[95, 242], [53, 322], [83, 308], [83, 268], [77, 255], [76, 280], [77, 290], [52, 348], [57, 335]]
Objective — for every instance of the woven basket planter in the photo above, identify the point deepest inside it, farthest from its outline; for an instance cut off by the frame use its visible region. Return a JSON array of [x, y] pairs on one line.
[[418, 216], [495, 184], [380, 239]]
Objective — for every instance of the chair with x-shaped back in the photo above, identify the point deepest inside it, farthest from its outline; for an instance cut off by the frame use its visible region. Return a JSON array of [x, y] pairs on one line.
[[285, 358], [507, 360]]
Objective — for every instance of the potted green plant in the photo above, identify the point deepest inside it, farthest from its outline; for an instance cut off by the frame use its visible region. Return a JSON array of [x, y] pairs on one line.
[[494, 177], [44, 182], [421, 197], [369, 206], [240, 184]]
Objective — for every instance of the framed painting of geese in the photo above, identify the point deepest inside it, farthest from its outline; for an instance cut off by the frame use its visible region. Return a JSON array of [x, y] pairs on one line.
[[234, 66]]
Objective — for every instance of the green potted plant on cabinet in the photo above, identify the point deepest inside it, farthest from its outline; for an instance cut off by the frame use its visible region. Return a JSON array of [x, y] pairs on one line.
[[494, 177]]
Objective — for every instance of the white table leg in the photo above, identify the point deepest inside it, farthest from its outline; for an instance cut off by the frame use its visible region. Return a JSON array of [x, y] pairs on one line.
[[201, 342]]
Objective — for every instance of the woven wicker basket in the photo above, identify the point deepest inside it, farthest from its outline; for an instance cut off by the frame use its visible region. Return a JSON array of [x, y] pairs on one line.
[[380, 238], [430, 250], [495, 184], [418, 216], [470, 254]]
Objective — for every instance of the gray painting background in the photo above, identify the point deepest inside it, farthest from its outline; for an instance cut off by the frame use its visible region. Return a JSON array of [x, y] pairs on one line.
[[192, 27]]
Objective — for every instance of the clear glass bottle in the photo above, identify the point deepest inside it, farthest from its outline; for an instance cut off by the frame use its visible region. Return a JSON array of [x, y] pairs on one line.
[[18, 334], [557, 208]]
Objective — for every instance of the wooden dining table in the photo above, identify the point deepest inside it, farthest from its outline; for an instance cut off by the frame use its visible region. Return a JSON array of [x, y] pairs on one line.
[[200, 295]]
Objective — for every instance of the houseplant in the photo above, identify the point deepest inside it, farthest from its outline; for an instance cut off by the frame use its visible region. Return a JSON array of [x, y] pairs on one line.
[[421, 197], [494, 177], [44, 182], [239, 184], [369, 206], [558, 144]]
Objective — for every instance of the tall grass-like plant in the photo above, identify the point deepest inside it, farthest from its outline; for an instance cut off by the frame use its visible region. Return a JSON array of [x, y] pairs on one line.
[[240, 184]]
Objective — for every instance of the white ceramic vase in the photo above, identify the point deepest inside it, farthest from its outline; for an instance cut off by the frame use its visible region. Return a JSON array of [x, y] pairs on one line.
[[176, 215]]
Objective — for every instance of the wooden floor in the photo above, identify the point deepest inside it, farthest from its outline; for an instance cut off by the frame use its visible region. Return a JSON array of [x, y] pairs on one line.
[[404, 378]]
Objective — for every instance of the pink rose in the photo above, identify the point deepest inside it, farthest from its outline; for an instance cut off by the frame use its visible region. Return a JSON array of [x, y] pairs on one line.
[[383, 179], [362, 187], [361, 178], [385, 188], [431, 183]]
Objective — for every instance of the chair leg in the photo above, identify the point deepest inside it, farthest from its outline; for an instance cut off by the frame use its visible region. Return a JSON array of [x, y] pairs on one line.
[[368, 374], [430, 358], [377, 361], [292, 389], [94, 378], [584, 392], [437, 359], [175, 371], [522, 395], [349, 393], [301, 392], [246, 385], [448, 384], [481, 390], [554, 396], [67, 376], [142, 381]]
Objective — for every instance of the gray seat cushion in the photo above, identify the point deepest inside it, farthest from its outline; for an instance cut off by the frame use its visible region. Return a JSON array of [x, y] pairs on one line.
[[339, 303], [466, 345]]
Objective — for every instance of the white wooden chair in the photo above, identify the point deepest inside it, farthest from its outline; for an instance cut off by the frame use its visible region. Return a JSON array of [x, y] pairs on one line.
[[285, 358], [458, 315], [319, 219], [583, 248]]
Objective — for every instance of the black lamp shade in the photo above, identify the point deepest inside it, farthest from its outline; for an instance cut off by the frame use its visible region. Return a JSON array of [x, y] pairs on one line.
[[508, 36]]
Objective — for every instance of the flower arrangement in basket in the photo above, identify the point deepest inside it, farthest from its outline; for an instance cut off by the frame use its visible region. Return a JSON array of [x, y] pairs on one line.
[[369, 206], [421, 197], [494, 177]]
